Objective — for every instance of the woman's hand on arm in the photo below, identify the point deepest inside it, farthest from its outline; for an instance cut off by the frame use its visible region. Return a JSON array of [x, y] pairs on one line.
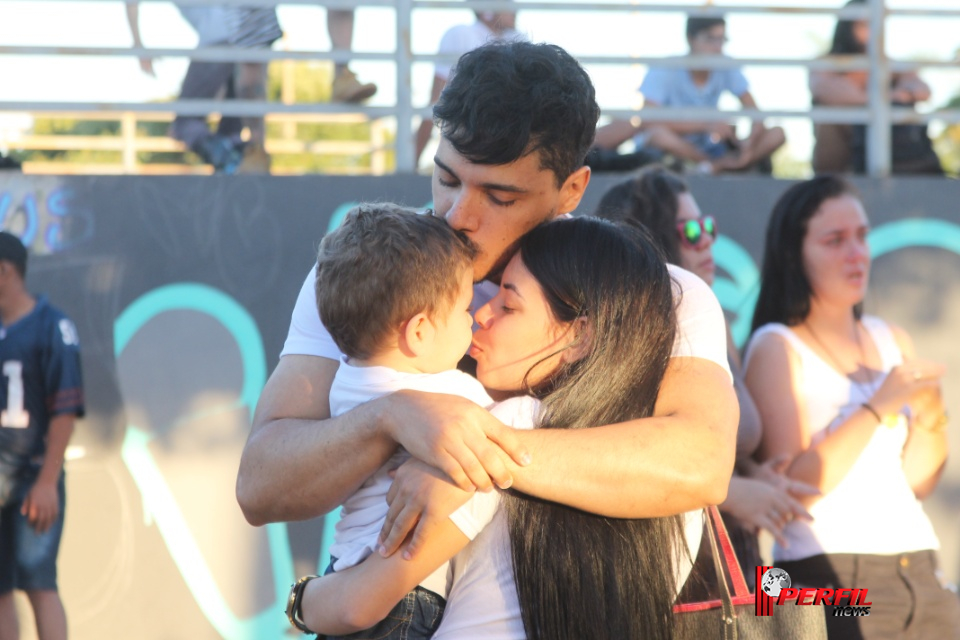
[[773, 472], [908, 88], [760, 505], [457, 436], [771, 378], [422, 498], [833, 89], [299, 462]]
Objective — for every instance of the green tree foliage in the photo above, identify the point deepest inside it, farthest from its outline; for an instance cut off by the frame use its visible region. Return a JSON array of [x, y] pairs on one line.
[[66, 126], [311, 81]]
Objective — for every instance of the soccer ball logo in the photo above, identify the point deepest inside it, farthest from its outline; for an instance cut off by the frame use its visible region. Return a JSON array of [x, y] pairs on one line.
[[773, 581]]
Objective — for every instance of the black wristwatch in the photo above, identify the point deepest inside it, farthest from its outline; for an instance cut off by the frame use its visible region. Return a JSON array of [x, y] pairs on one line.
[[294, 615]]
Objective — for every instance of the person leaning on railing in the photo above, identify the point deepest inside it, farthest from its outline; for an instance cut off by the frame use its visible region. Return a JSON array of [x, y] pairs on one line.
[[841, 148]]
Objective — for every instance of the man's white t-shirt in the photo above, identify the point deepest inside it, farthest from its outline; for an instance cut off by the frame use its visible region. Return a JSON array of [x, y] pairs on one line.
[[701, 328]]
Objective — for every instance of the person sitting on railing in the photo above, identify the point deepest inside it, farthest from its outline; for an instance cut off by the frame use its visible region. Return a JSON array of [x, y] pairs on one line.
[[713, 146], [841, 148], [233, 26], [489, 26]]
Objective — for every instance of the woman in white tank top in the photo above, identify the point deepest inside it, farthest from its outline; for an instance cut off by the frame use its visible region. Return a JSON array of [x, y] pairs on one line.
[[861, 417]]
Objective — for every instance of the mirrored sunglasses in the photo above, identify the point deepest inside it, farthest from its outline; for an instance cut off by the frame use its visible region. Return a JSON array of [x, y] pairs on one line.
[[692, 231]]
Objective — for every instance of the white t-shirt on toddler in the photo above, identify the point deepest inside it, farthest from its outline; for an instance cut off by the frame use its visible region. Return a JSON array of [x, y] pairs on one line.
[[363, 513]]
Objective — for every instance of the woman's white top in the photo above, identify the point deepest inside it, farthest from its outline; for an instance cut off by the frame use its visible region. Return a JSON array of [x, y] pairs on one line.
[[873, 510], [482, 603]]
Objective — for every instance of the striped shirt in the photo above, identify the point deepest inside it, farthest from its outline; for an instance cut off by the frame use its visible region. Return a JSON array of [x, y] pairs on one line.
[[240, 26]]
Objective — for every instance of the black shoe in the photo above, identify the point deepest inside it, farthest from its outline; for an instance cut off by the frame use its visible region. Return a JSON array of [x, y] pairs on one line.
[[220, 152], [607, 160], [6, 162]]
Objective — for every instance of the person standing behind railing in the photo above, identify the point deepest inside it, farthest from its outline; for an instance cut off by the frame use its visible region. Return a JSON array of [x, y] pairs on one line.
[[346, 87], [841, 148], [223, 25], [489, 26]]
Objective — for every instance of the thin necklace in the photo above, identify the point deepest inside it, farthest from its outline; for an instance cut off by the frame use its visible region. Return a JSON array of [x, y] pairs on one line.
[[865, 388]]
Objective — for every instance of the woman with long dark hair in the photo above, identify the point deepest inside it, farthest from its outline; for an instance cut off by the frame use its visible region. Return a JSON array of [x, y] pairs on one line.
[[842, 147], [579, 334], [759, 496], [579, 575], [860, 416]]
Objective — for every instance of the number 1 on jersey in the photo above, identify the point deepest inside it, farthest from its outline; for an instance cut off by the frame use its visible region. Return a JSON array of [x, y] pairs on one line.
[[14, 415]]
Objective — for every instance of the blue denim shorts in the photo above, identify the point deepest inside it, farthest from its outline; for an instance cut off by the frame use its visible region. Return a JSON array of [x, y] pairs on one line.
[[28, 560], [416, 617]]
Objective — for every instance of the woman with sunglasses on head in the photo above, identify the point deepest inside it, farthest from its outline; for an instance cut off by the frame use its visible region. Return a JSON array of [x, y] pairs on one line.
[[843, 395], [759, 495]]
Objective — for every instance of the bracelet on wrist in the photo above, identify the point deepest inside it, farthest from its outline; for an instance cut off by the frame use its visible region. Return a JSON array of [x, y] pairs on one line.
[[876, 414], [294, 614]]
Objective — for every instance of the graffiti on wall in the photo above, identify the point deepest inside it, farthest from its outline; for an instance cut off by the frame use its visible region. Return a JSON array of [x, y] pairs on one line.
[[46, 219]]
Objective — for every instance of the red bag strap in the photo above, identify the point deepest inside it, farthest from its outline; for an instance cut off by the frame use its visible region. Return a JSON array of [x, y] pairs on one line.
[[727, 556]]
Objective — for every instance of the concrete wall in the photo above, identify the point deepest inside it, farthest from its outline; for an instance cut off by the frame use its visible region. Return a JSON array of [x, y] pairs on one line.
[[181, 289]]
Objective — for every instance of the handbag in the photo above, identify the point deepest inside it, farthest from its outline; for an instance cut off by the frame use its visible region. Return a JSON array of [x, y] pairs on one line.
[[733, 616]]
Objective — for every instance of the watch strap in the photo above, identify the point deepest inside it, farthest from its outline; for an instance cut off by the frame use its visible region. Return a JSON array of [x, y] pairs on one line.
[[294, 614]]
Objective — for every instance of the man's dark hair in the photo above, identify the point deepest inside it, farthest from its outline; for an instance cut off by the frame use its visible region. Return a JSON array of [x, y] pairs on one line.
[[382, 266], [785, 291], [696, 25], [508, 100], [13, 251]]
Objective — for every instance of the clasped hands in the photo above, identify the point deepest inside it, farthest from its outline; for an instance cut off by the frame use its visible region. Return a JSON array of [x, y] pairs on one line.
[[457, 448], [766, 498]]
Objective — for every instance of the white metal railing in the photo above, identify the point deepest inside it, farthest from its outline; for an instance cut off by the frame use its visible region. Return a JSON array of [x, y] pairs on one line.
[[129, 142], [878, 114]]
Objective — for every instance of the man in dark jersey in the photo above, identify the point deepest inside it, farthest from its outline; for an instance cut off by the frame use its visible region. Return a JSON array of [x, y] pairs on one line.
[[41, 395]]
